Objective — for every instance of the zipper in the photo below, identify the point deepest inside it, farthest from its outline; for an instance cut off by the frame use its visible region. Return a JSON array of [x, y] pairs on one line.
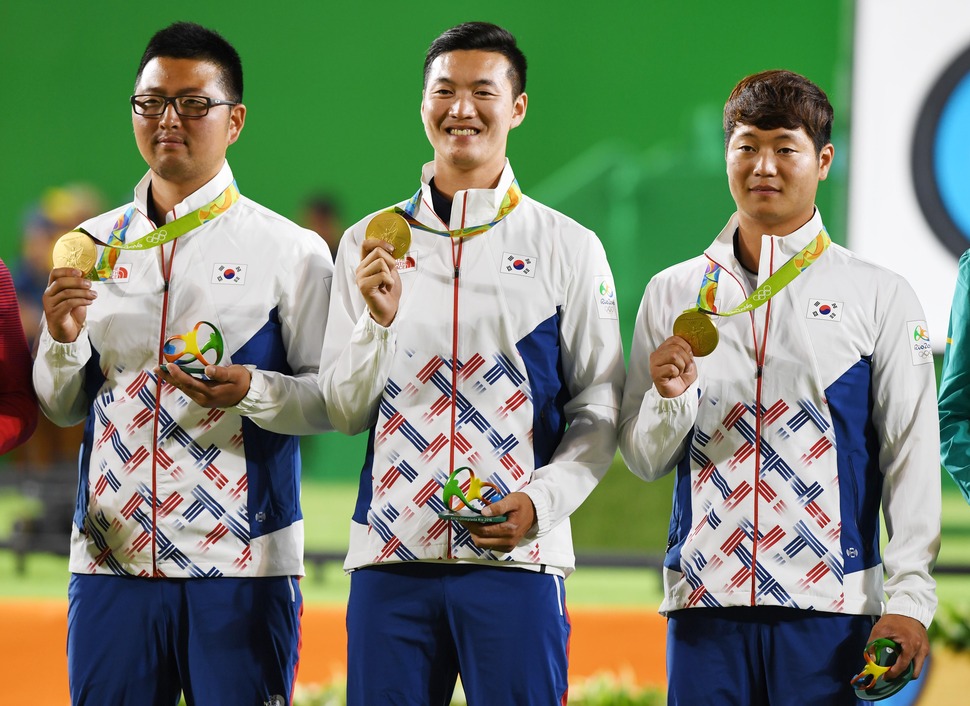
[[167, 279], [456, 251], [759, 355]]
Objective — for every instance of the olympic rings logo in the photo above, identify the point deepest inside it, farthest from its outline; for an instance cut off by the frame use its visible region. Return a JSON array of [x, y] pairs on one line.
[[763, 294], [157, 237]]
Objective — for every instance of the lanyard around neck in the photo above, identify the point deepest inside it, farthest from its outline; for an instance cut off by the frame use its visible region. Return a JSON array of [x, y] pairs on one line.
[[781, 278], [695, 325], [165, 234], [511, 199]]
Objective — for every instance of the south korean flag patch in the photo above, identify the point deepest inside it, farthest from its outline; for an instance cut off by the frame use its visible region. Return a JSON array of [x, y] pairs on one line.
[[228, 274], [521, 265], [824, 310]]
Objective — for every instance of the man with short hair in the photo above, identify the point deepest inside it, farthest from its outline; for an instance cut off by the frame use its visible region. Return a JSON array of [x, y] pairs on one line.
[[792, 402], [191, 352], [486, 363]]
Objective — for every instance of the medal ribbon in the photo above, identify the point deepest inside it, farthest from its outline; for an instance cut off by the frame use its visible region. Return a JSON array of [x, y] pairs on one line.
[[511, 199], [167, 233], [782, 277]]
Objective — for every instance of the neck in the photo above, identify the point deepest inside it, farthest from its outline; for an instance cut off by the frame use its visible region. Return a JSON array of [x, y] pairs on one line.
[[166, 195], [751, 230], [749, 249], [449, 180]]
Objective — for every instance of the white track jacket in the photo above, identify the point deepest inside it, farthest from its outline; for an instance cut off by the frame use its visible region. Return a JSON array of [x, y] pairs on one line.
[[169, 488], [505, 356], [814, 410]]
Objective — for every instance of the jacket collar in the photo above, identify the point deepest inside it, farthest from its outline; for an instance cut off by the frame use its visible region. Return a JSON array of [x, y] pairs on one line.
[[197, 199], [785, 246], [470, 207]]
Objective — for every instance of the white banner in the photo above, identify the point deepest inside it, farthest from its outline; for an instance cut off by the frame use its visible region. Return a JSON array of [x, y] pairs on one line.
[[909, 162]]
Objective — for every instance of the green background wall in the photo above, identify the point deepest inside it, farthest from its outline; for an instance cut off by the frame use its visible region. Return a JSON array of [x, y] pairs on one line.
[[622, 133]]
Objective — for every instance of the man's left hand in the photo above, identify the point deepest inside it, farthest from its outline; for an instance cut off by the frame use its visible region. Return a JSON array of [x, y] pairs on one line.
[[504, 536], [226, 386], [912, 638]]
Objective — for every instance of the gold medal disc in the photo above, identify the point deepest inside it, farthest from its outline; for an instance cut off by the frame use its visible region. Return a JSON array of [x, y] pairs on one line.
[[77, 250], [391, 228], [698, 330]]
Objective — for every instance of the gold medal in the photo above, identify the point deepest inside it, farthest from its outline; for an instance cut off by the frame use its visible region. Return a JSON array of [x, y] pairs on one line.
[[391, 228], [698, 330], [77, 250]]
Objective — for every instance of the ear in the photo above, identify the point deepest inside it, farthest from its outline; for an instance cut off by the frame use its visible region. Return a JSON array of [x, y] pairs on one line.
[[825, 158], [237, 118], [519, 108]]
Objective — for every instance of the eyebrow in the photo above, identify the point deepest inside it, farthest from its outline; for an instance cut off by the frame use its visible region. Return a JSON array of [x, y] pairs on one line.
[[479, 82]]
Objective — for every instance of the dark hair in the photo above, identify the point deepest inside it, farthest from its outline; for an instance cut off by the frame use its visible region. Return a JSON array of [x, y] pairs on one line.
[[187, 40], [482, 36], [780, 99]]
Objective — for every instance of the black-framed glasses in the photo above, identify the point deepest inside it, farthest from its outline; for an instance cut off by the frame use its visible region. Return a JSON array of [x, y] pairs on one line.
[[153, 106]]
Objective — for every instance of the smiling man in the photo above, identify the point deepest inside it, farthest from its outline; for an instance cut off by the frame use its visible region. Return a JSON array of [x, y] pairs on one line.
[[190, 350], [792, 403], [486, 360]]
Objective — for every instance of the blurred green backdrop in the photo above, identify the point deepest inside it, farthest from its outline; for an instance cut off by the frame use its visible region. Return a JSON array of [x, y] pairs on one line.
[[623, 131]]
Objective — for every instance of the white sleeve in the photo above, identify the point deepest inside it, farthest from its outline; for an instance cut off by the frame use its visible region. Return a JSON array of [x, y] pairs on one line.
[[59, 377], [653, 429], [907, 425], [593, 368], [292, 404], [357, 351]]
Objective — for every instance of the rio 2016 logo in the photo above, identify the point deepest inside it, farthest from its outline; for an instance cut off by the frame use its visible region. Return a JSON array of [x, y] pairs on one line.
[[184, 350], [940, 167], [922, 350]]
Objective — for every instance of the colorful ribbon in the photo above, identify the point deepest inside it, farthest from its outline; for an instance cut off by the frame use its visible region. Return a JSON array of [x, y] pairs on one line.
[[782, 277], [167, 233], [511, 199]]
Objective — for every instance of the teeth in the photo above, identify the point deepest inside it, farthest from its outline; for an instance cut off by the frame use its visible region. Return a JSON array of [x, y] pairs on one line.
[[463, 133]]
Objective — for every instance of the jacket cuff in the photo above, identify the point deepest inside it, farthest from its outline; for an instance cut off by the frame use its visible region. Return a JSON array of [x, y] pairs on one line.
[[77, 352], [543, 511], [372, 329], [685, 401], [249, 404], [907, 606]]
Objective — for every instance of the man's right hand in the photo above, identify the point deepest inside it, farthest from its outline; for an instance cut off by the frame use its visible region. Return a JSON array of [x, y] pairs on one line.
[[378, 280], [66, 299], [672, 367]]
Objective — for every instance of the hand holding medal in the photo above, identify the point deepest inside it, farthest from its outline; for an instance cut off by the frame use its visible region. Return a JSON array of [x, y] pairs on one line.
[[391, 228], [67, 297], [696, 327], [76, 250]]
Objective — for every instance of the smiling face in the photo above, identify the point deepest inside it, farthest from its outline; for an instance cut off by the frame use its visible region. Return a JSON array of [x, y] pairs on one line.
[[185, 153], [468, 109], [773, 176]]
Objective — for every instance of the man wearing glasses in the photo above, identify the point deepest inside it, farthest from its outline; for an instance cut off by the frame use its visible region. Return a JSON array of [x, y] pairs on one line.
[[188, 341]]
